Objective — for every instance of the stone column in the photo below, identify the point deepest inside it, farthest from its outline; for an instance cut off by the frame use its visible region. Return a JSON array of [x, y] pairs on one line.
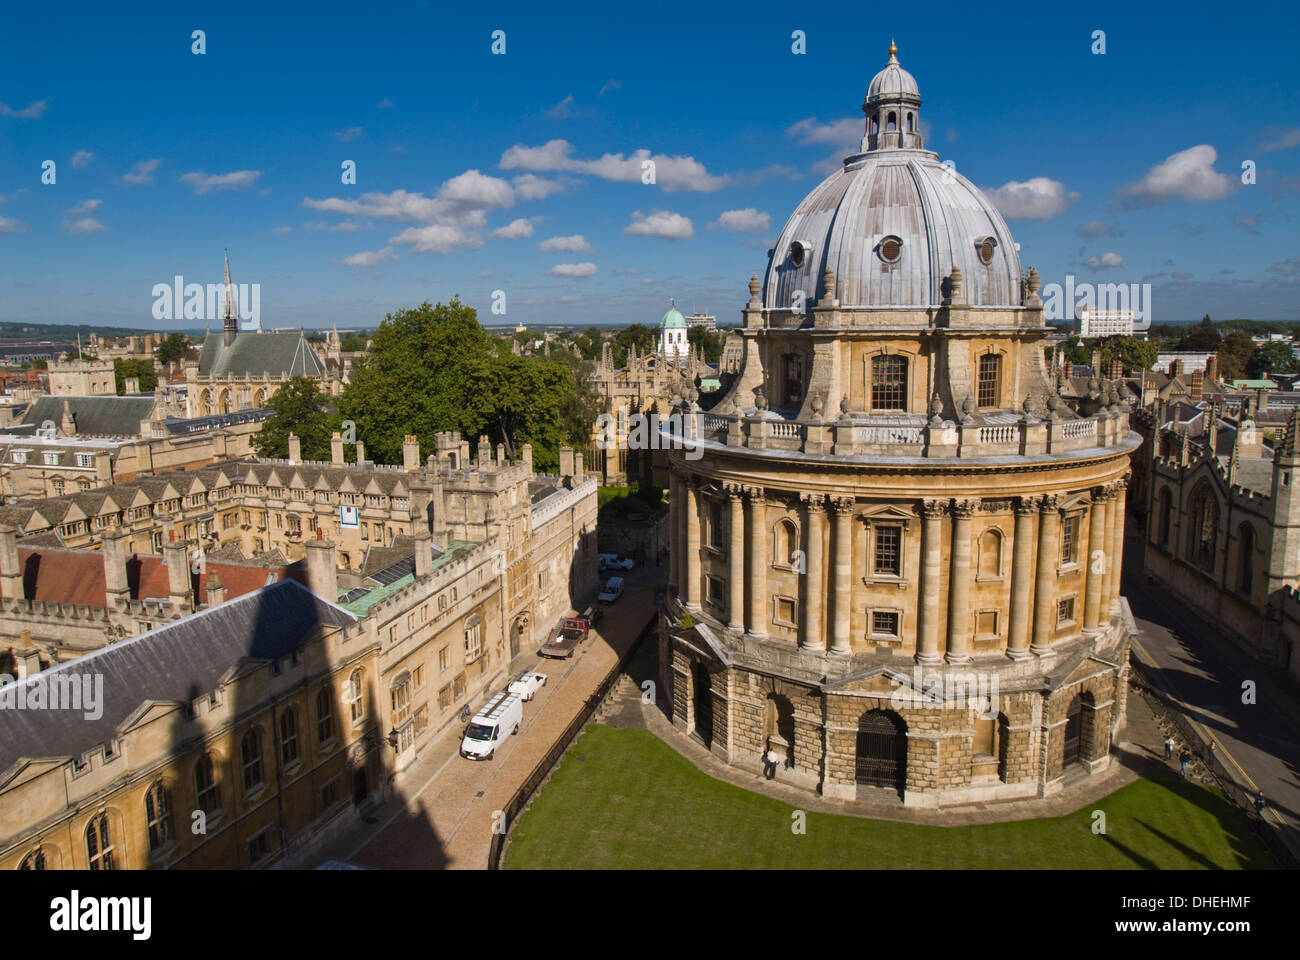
[[1117, 552], [676, 499], [927, 650], [843, 609], [1096, 558], [1049, 533], [692, 558], [1022, 558], [814, 580], [757, 537], [959, 583], [1108, 575], [736, 560]]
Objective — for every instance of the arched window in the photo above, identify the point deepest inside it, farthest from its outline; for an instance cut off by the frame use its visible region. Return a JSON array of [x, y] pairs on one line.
[[206, 788], [787, 542], [892, 123], [158, 816], [1245, 557], [875, 126], [792, 377], [473, 638], [401, 699], [288, 736], [889, 382], [324, 715], [990, 560], [34, 860], [99, 844], [1204, 528], [250, 754], [990, 380], [911, 123], [354, 696]]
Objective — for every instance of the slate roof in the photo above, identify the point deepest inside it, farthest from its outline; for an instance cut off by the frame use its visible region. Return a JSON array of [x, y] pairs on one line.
[[96, 416], [254, 354], [170, 663]]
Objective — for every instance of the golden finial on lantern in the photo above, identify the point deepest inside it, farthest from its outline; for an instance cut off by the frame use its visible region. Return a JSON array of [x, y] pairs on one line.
[[893, 47]]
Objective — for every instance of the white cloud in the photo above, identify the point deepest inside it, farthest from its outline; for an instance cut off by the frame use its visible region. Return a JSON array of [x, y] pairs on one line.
[[748, 220], [839, 133], [1290, 269], [609, 85], [33, 111], [1283, 141], [385, 104], [660, 223], [515, 229], [142, 173], [578, 270], [1188, 174], [1094, 228], [1038, 199], [84, 225], [350, 134], [573, 244], [85, 206], [81, 159], [474, 191], [436, 238], [203, 183], [320, 226], [10, 225], [282, 229], [561, 110], [369, 258], [1107, 261], [671, 172], [529, 186]]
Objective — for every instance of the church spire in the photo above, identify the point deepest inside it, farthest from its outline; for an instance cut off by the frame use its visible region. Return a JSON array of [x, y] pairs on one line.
[[230, 315]]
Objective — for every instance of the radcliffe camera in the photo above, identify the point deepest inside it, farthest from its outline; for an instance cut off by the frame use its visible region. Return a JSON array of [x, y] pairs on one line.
[[697, 439]]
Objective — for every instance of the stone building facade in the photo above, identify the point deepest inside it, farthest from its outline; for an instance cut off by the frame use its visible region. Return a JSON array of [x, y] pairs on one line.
[[917, 592]]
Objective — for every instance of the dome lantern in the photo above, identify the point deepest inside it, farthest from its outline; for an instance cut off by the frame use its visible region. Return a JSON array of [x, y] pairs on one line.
[[893, 109]]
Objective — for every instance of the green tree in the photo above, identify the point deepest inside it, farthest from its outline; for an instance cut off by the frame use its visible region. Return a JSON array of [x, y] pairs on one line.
[[353, 342], [644, 338], [1133, 353], [144, 369], [42, 363], [175, 346], [1203, 336], [710, 343], [1234, 355], [1273, 357], [298, 408]]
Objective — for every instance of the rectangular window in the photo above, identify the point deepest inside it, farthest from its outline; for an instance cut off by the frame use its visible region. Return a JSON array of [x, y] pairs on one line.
[[889, 550], [444, 697], [785, 611], [417, 676], [990, 367], [1065, 610], [716, 534], [889, 383], [1070, 539], [884, 623], [257, 848], [715, 591], [442, 660], [51, 459], [986, 623], [458, 686]]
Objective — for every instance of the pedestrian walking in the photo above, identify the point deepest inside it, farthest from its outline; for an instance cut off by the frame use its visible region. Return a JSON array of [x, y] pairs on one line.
[[1184, 758], [1260, 803], [1212, 754], [770, 763], [1169, 748]]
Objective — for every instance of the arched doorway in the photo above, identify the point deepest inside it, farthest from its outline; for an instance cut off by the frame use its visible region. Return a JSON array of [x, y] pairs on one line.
[[517, 634], [703, 701], [1073, 749], [882, 750], [778, 727]]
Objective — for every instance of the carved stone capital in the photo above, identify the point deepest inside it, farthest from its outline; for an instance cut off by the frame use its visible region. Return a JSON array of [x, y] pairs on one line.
[[965, 509], [1050, 503], [935, 509], [1028, 506], [813, 501], [734, 491], [842, 506]]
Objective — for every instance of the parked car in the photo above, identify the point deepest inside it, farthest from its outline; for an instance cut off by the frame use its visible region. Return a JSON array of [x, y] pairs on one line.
[[526, 684], [612, 590], [612, 561], [566, 636], [499, 719]]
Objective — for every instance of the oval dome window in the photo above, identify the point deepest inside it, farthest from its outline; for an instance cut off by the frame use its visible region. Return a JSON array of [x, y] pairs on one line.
[[891, 249], [986, 248], [798, 253]]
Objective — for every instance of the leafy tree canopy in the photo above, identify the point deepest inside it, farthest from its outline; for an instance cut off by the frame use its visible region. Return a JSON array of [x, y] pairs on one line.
[[175, 346], [143, 369], [299, 408]]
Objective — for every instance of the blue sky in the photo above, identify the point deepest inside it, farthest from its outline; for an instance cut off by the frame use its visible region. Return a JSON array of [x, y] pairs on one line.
[[521, 172]]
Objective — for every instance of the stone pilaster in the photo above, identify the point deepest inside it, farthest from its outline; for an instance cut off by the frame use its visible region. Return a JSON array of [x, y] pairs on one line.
[[756, 537], [933, 512], [736, 559], [1021, 572], [677, 499], [1096, 558], [1049, 534], [692, 560], [1108, 575], [959, 583], [1117, 552], [843, 609], [814, 581]]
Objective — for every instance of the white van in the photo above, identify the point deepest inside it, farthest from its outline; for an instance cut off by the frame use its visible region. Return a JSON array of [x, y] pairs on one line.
[[491, 725]]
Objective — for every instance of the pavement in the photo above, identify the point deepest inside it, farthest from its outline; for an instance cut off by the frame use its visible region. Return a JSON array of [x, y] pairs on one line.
[[1202, 671], [440, 814]]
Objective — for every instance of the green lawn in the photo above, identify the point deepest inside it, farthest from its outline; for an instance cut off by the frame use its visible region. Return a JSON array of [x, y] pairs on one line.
[[623, 799]]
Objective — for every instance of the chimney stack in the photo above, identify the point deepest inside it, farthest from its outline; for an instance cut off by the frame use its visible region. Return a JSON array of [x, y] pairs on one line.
[[566, 461], [1212, 368], [11, 571], [526, 455], [361, 453], [216, 590], [27, 656], [322, 568], [117, 588], [295, 449], [1198, 386], [179, 587], [1176, 368], [423, 555], [410, 452], [336, 449]]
